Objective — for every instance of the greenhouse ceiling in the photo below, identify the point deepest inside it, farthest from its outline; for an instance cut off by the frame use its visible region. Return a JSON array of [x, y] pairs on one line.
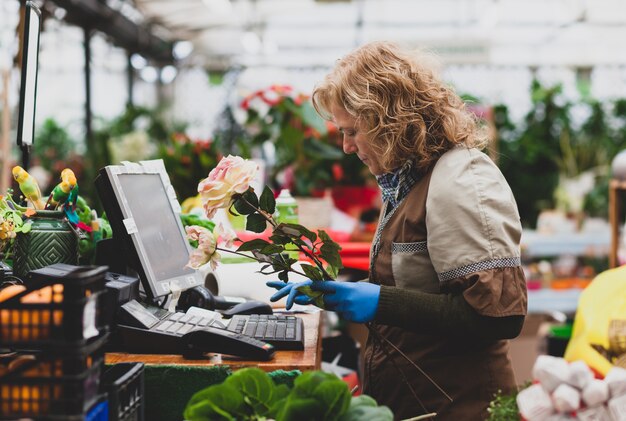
[[307, 33]]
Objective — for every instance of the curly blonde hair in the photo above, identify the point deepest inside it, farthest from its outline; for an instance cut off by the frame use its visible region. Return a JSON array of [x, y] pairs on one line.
[[406, 109]]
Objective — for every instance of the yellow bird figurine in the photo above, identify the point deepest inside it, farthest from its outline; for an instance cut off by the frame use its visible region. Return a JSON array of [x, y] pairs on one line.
[[61, 191], [28, 186]]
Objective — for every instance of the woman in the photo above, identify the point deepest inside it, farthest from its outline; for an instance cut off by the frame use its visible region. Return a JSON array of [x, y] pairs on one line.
[[446, 288]]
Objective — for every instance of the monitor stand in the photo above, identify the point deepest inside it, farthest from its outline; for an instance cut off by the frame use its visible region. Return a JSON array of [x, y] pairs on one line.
[[110, 252]]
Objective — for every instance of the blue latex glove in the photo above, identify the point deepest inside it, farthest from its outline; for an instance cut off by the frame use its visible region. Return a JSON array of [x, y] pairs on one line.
[[291, 290], [354, 301]]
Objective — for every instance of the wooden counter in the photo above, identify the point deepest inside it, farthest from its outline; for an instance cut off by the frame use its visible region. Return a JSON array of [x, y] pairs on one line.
[[309, 359]]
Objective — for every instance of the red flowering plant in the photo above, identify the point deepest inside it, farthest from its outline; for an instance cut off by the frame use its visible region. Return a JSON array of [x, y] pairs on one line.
[[304, 152], [228, 186], [187, 160]]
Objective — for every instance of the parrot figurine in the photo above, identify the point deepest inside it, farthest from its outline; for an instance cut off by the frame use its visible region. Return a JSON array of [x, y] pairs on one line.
[[28, 186], [61, 191], [69, 206]]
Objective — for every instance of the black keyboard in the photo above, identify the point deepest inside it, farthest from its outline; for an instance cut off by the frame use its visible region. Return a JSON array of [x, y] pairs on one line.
[[143, 332], [282, 331]]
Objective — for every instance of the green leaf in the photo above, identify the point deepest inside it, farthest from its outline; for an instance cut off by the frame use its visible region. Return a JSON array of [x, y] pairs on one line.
[[299, 242], [335, 397], [318, 150], [272, 249], [26, 227], [332, 271], [301, 409], [280, 239], [267, 201], [256, 223], [330, 250], [17, 219], [284, 276], [297, 230], [217, 402], [256, 244], [312, 272], [257, 386], [363, 407], [247, 203], [310, 117], [306, 383], [318, 296]]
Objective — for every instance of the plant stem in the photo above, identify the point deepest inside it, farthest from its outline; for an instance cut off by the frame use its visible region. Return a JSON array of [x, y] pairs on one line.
[[254, 258], [310, 255]]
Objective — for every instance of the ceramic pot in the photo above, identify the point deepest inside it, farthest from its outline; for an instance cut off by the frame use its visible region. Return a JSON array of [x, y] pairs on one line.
[[50, 240]]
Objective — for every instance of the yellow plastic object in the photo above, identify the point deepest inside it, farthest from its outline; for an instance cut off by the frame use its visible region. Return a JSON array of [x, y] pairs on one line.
[[191, 203], [603, 301]]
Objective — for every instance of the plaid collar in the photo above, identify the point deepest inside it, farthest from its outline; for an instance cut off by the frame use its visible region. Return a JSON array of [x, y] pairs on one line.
[[396, 185]]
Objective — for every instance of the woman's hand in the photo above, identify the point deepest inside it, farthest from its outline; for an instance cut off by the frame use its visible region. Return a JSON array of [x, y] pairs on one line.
[[292, 291], [354, 301]]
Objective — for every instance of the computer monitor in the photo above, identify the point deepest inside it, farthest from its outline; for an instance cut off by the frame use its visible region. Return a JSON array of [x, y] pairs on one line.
[[144, 214]]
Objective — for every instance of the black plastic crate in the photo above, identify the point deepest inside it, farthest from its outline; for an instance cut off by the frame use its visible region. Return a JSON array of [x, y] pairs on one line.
[[53, 384], [62, 305], [124, 385]]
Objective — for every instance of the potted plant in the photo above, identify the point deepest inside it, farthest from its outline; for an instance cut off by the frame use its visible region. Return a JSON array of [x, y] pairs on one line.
[[286, 121], [187, 160], [250, 394]]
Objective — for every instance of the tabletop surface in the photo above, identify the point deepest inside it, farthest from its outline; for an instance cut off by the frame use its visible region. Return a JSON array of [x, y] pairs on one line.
[[309, 359]]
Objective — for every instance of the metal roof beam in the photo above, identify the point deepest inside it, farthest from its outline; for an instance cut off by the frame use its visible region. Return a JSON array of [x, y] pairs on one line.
[[124, 33]]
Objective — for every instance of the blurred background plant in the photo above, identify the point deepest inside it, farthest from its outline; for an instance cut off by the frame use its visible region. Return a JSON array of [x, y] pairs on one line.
[[281, 126], [560, 156], [54, 150], [187, 162], [134, 135]]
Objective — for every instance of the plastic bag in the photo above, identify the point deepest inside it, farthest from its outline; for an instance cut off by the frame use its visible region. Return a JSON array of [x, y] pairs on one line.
[[599, 331]]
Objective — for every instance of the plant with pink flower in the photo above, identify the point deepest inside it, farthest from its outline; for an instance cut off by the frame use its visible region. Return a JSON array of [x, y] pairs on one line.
[[207, 250], [228, 186], [232, 176]]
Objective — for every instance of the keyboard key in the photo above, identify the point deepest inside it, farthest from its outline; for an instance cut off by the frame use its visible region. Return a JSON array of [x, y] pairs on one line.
[[174, 327], [176, 316], [185, 319], [250, 329], [280, 330], [186, 328], [163, 326], [204, 322], [260, 330]]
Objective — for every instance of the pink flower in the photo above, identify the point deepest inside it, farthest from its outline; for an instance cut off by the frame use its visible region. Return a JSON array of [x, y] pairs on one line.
[[207, 244], [232, 175], [224, 235], [207, 247]]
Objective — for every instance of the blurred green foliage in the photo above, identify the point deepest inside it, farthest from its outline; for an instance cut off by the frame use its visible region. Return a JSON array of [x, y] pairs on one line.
[[53, 145], [551, 145], [187, 162]]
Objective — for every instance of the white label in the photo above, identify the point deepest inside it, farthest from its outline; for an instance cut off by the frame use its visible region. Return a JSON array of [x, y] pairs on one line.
[[89, 318], [130, 225]]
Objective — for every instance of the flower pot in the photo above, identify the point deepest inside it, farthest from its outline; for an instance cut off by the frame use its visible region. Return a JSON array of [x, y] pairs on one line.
[[354, 199], [50, 240]]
